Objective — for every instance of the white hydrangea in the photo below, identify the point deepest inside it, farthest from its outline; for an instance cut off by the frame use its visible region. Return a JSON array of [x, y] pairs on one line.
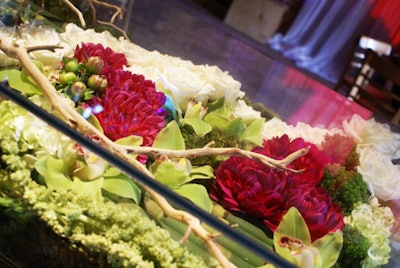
[[374, 222]]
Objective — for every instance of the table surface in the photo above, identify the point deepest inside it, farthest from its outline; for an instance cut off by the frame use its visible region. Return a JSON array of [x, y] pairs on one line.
[[181, 28]]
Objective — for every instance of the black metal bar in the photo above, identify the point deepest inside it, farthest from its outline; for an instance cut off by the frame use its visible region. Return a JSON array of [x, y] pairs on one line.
[[133, 172]]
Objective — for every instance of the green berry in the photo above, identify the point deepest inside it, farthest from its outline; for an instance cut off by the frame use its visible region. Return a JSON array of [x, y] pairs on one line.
[[72, 66], [94, 64], [98, 83], [68, 78], [77, 90]]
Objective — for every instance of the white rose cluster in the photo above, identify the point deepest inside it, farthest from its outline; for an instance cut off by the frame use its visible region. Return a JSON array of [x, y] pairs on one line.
[[377, 146], [34, 35]]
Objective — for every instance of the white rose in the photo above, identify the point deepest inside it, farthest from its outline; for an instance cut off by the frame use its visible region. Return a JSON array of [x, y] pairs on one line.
[[74, 35], [9, 35], [224, 84], [41, 35], [370, 133], [244, 111], [275, 128], [315, 135], [378, 169]]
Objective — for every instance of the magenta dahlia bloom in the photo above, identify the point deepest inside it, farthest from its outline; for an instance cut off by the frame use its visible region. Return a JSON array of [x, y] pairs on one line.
[[245, 186], [313, 162], [320, 213], [112, 60], [132, 106], [251, 188]]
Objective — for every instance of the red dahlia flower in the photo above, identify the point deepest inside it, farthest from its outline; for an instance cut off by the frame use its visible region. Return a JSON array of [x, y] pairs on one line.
[[313, 162], [242, 185], [132, 106], [112, 60], [321, 215], [246, 186]]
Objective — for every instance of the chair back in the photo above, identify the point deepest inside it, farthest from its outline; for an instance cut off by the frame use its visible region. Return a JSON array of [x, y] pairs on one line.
[[377, 86], [357, 58]]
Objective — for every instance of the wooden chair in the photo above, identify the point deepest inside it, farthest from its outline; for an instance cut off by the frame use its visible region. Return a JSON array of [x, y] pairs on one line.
[[357, 58], [377, 86]]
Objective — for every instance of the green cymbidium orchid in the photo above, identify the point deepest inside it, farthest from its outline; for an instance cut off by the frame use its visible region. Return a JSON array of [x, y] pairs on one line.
[[292, 241]]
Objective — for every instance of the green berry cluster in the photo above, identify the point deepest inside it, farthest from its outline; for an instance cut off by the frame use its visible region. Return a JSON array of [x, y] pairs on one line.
[[80, 81]]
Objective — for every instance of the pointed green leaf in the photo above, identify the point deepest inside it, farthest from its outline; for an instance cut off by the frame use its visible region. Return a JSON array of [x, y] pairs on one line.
[[197, 194], [202, 172], [329, 247], [54, 174], [195, 110], [200, 127], [131, 140], [253, 132], [122, 186], [112, 172], [88, 188], [15, 81], [235, 127], [219, 107], [170, 137], [215, 119]]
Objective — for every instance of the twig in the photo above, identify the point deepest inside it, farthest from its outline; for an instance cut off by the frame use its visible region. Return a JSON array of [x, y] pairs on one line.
[[44, 47], [115, 27], [190, 153], [118, 11], [77, 12]]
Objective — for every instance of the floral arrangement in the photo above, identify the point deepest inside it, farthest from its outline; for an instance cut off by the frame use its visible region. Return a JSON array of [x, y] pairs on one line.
[[313, 196]]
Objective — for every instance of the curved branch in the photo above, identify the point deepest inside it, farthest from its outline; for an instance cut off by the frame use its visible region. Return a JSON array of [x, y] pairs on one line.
[[77, 12], [233, 151]]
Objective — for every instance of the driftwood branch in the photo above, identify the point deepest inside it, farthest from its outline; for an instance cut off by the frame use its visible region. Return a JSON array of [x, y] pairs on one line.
[[191, 153]]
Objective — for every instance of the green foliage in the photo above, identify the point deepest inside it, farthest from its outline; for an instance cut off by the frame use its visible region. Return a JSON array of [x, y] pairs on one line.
[[346, 187], [355, 248]]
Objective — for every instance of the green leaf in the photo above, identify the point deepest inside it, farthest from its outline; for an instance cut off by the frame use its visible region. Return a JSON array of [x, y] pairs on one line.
[[171, 173], [195, 110], [329, 247], [131, 140], [16, 81], [253, 132], [202, 172], [219, 107], [197, 194], [200, 127], [216, 120], [235, 127], [122, 186], [88, 188], [170, 137], [53, 171], [112, 172]]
